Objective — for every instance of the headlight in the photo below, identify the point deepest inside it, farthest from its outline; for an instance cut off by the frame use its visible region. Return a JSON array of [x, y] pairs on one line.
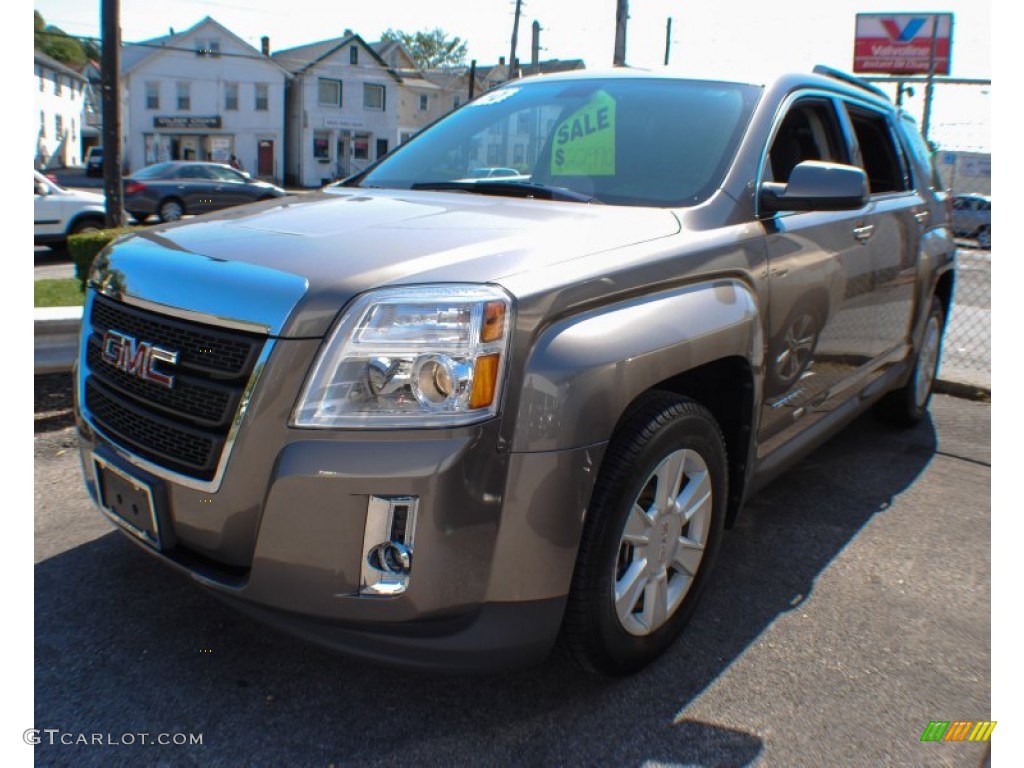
[[415, 356]]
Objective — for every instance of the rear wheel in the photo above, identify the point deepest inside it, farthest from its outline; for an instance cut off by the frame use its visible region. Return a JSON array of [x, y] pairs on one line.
[[650, 538], [171, 210], [908, 405]]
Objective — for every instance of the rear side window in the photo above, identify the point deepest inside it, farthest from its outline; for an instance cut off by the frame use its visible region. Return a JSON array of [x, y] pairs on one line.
[[924, 173], [880, 156]]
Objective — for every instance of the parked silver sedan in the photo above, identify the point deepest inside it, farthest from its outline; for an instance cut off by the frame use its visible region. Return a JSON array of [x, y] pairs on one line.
[[171, 190], [972, 217]]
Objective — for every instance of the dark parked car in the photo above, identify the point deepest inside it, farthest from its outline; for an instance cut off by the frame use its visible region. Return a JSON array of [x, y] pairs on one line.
[[94, 162], [972, 217], [170, 190]]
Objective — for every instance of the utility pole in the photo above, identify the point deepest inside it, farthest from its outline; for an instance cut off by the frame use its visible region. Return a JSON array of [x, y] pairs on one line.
[[111, 87], [929, 88], [621, 16], [515, 39], [668, 38], [535, 45]]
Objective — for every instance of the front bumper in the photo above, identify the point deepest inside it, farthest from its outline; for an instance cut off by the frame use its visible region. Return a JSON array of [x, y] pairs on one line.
[[495, 541]]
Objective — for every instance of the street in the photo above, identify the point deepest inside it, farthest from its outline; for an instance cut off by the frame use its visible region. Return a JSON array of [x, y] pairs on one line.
[[850, 607]]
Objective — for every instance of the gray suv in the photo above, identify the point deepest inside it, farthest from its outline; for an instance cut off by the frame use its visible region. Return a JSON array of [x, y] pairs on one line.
[[448, 422]]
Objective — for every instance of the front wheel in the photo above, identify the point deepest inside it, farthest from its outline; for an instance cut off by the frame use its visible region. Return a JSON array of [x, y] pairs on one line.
[[87, 224], [650, 538], [908, 405]]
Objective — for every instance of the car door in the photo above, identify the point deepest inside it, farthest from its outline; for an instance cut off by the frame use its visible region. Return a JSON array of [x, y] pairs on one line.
[[195, 186], [229, 187], [889, 229], [825, 278]]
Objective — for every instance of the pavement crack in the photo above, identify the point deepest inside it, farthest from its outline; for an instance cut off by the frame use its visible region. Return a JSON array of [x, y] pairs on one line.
[[979, 462]]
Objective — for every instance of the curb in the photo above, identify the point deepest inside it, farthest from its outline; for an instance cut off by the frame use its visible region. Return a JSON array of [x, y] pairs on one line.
[[56, 338]]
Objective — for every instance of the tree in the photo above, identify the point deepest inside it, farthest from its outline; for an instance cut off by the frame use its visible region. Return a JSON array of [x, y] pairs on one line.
[[59, 45], [430, 49]]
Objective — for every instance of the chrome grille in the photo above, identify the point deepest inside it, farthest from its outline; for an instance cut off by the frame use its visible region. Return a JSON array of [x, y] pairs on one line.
[[183, 428]]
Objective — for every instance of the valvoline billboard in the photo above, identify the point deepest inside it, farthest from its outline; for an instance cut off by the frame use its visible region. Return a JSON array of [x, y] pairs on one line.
[[902, 43]]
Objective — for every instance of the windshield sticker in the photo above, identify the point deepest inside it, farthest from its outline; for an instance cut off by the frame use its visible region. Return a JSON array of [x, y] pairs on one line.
[[493, 97], [585, 141]]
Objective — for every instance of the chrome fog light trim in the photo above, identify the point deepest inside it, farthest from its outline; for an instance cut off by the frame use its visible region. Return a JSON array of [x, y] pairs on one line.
[[388, 545]]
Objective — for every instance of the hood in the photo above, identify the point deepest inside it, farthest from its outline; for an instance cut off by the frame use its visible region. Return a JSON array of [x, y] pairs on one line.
[[329, 246]]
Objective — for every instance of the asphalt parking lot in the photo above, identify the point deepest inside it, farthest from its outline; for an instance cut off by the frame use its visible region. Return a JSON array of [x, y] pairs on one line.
[[851, 606]]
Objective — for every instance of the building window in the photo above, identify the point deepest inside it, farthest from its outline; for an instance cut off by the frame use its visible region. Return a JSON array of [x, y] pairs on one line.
[[184, 97], [353, 55], [230, 97], [424, 102], [209, 47], [373, 97], [74, 132], [262, 97], [361, 146], [152, 95], [322, 145], [42, 124], [42, 80], [58, 126], [56, 83], [330, 92], [456, 101]]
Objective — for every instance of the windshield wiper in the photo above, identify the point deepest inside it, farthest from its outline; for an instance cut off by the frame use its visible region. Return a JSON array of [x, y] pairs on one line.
[[509, 188]]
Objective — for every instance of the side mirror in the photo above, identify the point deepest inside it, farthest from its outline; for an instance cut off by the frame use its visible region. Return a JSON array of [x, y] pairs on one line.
[[817, 186], [41, 188]]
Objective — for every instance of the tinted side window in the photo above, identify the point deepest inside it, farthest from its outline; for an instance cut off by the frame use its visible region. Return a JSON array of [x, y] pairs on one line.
[[809, 131], [880, 156]]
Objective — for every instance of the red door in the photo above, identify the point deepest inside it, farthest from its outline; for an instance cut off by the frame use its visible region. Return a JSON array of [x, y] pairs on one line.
[[265, 158]]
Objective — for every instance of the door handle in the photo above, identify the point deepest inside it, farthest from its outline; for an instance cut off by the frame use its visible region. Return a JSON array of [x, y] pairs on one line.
[[864, 232], [922, 217]]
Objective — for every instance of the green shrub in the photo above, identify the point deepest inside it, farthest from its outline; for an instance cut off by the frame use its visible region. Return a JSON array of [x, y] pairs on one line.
[[85, 247]]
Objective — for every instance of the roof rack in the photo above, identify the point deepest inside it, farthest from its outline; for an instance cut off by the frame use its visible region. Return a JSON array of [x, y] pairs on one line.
[[838, 74]]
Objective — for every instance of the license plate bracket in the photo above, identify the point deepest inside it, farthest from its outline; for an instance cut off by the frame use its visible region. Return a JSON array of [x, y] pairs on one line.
[[128, 501]]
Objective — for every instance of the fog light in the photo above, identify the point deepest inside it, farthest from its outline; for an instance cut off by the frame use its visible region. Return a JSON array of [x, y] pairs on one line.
[[387, 544]]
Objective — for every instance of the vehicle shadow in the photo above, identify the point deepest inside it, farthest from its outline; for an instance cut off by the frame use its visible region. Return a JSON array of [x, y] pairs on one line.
[[124, 645]]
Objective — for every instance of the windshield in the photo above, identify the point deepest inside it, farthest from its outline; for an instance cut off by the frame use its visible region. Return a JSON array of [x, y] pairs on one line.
[[652, 142]]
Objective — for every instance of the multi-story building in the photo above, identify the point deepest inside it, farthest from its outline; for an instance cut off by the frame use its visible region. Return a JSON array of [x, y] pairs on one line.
[[60, 96], [203, 94], [342, 106]]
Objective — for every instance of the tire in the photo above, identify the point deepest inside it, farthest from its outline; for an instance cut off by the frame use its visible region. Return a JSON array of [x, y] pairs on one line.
[[87, 224], [138, 216], [639, 543], [908, 405], [171, 209]]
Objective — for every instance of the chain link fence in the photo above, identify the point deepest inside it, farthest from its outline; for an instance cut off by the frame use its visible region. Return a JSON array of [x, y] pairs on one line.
[[959, 130]]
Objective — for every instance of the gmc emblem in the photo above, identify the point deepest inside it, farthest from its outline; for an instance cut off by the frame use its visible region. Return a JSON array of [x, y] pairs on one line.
[[137, 358]]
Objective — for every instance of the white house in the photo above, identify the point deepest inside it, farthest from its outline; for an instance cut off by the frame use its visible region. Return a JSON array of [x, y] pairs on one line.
[[203, 94], [342, 109], [60, 97]]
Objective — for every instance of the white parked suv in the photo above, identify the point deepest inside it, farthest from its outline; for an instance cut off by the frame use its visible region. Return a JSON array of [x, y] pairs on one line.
[[60, 212]]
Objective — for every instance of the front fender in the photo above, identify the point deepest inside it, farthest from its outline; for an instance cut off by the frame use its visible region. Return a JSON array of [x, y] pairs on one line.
[[585, 370]]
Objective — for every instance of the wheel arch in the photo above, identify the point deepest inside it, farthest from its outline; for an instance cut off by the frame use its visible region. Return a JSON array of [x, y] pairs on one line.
[[81, 216]]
